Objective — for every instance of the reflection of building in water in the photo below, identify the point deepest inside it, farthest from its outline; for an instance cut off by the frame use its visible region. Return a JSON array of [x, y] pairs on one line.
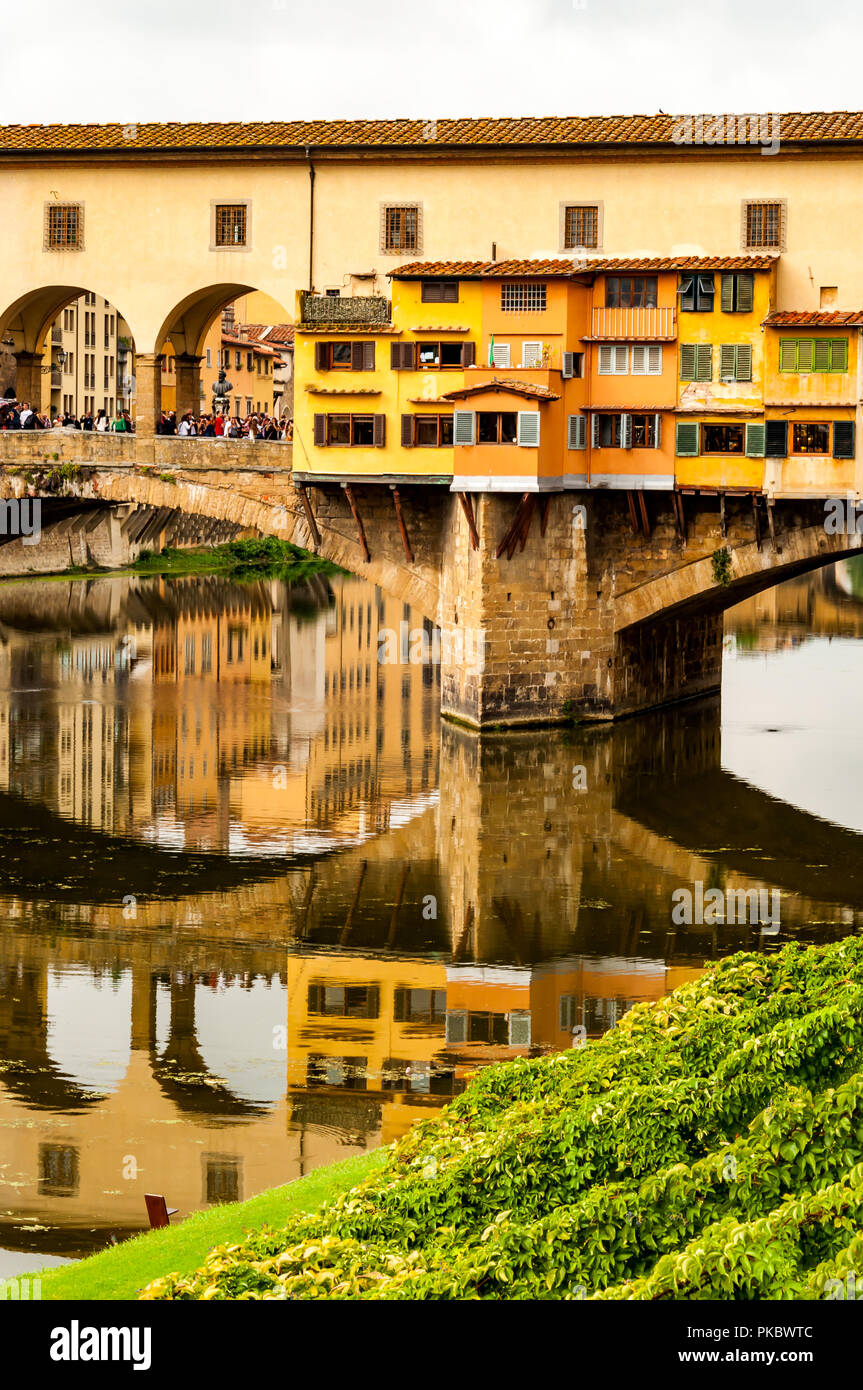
[[212, 711]]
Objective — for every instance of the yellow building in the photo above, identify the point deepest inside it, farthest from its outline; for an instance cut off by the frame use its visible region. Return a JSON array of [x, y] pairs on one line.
[[91, 357]]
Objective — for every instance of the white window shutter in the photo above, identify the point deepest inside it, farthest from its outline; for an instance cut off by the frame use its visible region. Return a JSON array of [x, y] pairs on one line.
[[577, 432], [657, 431], [639, 360], [621, 361], [654, 360], [594, 431], [464, 427], [501, 355], [568, 368], [626, 431], [606, 359], [456, 1026], [519, 1029], [531, 354], [528, 429]]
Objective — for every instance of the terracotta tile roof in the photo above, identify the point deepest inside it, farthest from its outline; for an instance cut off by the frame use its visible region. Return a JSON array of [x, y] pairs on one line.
[[518, 388], [342, 391], [233, 341], [815, 318], [564, 268], [278, 334], [804, 127]]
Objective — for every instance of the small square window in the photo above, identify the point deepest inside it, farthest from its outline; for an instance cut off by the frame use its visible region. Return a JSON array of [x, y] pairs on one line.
[[764, 225], [401, 228], [230, 225], [64, 227], [581, 227]]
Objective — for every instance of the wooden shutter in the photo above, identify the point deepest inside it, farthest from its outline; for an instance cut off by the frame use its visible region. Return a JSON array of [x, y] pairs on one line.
[[468, 354], [706, 291], [402, 357], [368, 357], [843, 439], [577, 432], [839, 355], [686, 445], [727, 358], [379, 437], [756, 440], [531, 354], [407, 431], [568, 368], [605, 366], [357, 357], [822, 355], [594, 432], [788, 354], [745, 292], [519, 1029], [322, 357], [654, 359], [500, 355], [639, 360], [320, 434], [726, 294], [777, 439], [704, 362], [626, 431], [686, 292], [456, 1026], [463, 427], [687, 361], [528, 429], [805, 354], [621, 360], [657, 431], [743, 363]]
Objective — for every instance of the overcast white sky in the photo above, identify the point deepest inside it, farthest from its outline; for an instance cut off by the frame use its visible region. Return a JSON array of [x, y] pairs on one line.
[[106, 60]]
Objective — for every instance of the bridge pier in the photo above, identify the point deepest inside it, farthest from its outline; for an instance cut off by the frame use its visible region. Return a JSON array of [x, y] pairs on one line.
[[532, 631], [28, 378]]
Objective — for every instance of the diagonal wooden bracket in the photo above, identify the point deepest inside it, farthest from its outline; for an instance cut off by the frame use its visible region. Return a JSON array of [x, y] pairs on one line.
[[757, 519], [467, 507], [543, 518], [402, 527], [310, 516], [518, 531], [349, 493], [679, 514]]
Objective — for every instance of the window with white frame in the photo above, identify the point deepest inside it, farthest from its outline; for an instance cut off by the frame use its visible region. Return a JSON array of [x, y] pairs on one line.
[[524, 297], [613, 359], [647, 359]]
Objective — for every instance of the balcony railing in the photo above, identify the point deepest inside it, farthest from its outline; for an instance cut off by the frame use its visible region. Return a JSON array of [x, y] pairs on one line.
[[623, 324], [331, 310]]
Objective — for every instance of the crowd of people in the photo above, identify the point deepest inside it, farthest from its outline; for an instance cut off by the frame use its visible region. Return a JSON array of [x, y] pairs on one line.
[[19, 415]]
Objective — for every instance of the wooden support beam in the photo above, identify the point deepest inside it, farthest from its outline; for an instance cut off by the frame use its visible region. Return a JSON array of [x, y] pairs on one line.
[[464, 941], [633, 513], [679, 515], [310, 516], [349, 493], [723, 520], [467, 507], [346, 929], [543, 519], [402, 527], [523, 528], [510, 540], [757, 519], [394, 919], [770, 522], [645, 519]]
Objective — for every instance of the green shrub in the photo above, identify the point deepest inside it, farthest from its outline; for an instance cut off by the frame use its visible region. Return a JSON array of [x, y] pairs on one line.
[[709, 1147]]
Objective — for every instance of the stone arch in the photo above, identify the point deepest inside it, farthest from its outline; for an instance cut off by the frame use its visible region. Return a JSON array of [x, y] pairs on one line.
[[24, 328]]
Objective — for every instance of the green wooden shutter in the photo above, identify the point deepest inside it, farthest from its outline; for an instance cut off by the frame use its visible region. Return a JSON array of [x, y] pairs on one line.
[[843, 439], [745, 292], [822, 354], [805, 354], [687, 361], [686, 292], [743, 363], [727, 294], [528, 429], [727, 360], [788, 354], [756, 440], [839, 355], [687, 439], [704, 358]]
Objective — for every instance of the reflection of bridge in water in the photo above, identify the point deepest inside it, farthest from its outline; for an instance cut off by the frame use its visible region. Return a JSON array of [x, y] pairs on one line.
[[420, 919]]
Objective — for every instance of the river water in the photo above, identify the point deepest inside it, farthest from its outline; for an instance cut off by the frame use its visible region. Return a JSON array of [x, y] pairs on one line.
[[261, 910]]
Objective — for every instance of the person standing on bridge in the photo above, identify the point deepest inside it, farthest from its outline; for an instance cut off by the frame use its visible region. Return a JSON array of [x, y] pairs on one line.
[[102, 422]]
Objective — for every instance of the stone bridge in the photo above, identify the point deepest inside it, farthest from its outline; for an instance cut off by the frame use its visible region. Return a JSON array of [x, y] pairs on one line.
[[568, 604]]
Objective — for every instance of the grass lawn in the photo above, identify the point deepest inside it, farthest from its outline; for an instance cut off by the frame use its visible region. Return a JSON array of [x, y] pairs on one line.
[[119, 1272]]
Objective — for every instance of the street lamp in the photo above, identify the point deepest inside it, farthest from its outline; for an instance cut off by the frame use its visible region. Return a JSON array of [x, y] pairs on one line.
[[221, 393]]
